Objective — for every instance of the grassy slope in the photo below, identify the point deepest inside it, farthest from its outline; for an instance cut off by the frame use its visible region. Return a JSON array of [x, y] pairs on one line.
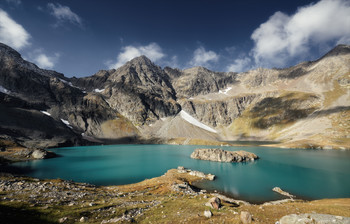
[[171, 207]]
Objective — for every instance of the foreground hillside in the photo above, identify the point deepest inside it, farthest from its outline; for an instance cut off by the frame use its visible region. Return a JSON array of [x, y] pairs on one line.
[[165, 199], [307, 105]]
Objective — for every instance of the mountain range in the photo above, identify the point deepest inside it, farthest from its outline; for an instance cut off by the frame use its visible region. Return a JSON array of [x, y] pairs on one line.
[[303, 106]]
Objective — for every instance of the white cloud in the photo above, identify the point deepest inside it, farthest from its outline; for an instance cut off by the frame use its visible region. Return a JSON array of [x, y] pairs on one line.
[[239, 65], [153, 51], [284, 36], [43, 60], [201, 57], [12, 33], [64, 13], [174, 62], [15, 2]]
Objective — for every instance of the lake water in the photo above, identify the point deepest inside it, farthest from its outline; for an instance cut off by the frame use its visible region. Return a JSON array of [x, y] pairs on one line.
[[309, 174]]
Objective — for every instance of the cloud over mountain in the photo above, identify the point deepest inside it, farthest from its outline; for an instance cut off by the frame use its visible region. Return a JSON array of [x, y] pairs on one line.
[[284, 36], [153, 51], [201, 57], [45, 61], [12, 33]]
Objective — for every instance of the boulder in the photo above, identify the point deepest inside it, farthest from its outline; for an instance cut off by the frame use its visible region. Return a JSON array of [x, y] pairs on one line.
[[313, 218], [214, 202], [62, 220], [83, 219], [208, 214], [42, 154], [39, 154], [246, 217], [181, 169], [220, 155]]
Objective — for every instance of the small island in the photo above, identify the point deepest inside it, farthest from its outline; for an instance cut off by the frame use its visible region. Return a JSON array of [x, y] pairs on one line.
[[220, 155]]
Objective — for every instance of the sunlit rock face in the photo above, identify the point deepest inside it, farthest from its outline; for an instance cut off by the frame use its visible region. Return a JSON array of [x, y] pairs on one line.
[[306, 105]]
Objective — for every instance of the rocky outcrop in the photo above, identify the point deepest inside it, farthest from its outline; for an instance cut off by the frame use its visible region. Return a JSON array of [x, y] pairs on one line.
[[43, 154], [94, 83], [198, 80], [280, 191], [218, 112], [142, 92], [313, 218], [220, 155], [196, 173]]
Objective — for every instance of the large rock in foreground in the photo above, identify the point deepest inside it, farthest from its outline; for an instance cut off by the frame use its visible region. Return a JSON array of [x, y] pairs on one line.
[[313, 218], [220, 155]]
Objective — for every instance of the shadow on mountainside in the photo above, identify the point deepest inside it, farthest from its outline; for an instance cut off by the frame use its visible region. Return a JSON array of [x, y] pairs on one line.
[[293, 73], [280, 111], [329, 111], [287, 109]]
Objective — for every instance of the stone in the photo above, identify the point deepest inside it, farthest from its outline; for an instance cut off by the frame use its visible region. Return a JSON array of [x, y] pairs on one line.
[[208, 214], [214, 202], [38, 154], [210, 176], [313, 218], [62, 220], [181, 169], [246, 217], [84, 219], [197, 174], [42, 154], [220, 155]]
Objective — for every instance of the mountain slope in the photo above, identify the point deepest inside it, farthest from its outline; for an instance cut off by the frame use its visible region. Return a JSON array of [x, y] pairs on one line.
[[41, 108], [307, 105]]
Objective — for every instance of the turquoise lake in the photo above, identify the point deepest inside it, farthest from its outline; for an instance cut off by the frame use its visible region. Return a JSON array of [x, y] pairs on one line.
[[309, 174]]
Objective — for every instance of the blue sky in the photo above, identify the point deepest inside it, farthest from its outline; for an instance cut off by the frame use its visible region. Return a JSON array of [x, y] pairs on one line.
[[80, 37]]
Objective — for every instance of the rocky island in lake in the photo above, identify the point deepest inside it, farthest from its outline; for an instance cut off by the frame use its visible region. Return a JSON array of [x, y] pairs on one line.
[[220, 155]]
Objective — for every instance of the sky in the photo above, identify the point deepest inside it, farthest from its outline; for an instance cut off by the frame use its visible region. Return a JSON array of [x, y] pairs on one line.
[[80, 37]]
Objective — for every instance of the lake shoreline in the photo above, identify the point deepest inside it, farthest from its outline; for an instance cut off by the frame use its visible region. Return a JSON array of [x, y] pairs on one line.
[[198, 183], [256, 197], [151, 200]]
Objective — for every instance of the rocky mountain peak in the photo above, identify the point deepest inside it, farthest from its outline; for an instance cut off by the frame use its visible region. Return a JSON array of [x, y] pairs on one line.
[[141, 60]]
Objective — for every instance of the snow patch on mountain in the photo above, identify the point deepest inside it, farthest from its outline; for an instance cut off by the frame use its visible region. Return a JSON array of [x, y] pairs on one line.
[[99, 90], [195, 122], [225, 91], [66, 123], [3, 90], [46, 113]]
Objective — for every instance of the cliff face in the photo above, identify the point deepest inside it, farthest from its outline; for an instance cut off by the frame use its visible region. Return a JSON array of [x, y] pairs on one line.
[[307, 105]]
